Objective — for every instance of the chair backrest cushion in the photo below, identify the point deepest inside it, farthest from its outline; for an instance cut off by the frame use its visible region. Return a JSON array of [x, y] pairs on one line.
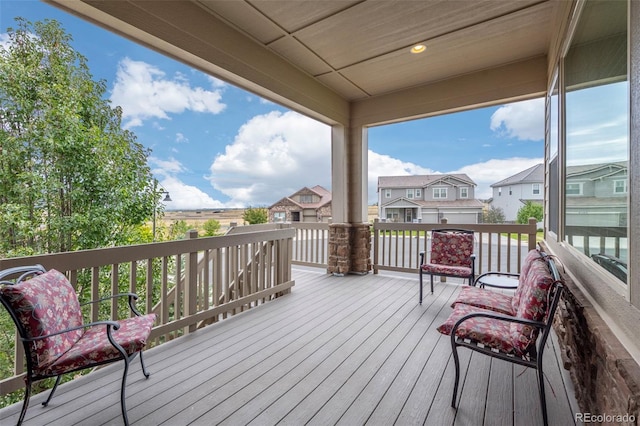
[[46, 304], [449, 248], [533, 304], [533, 256]]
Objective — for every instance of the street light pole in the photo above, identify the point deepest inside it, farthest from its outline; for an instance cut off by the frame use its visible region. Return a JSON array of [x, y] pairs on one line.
[[166, 198]]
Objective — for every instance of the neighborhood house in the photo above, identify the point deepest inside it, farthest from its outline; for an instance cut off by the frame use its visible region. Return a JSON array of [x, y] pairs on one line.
[[512, 193], [428, 199], [305, 205]]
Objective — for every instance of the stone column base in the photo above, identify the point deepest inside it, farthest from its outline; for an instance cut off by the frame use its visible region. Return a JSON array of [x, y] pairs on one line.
[[349, 248]]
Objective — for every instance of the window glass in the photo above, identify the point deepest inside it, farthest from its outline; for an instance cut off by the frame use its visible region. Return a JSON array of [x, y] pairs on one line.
[[410, 194], [552, 153], [306, 199], [535, 188], [597, 126], [464, 192], [439, 192]]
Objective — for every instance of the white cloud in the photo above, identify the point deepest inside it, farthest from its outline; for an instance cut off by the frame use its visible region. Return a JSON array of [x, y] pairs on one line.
[[489, 172], [5, 41], [144, 92], [183, 196], [180, 138], [275, 154], [216, 83], [384, 165], [166, 167], [187, 197], [522, 120], [272, 156]]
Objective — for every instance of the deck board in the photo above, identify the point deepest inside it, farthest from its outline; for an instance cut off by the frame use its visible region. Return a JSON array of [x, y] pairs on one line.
[[348, 350]]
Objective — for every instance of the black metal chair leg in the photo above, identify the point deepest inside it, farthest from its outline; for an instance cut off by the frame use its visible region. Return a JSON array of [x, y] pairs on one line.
[[25, 404], [431, 284], [543, 400], [52, 391], [421, 287], [144, 368], [122, 391], [456, 361]]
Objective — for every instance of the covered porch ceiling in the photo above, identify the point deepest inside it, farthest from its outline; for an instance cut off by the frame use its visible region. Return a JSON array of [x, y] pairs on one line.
[[349, 61]]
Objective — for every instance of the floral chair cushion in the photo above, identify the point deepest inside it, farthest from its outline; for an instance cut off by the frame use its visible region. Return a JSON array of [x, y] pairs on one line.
[[453, 249], [46, 304], [533, 304], [485, 299], [94, 346], [459, 271], [488, 331], [532, 257]]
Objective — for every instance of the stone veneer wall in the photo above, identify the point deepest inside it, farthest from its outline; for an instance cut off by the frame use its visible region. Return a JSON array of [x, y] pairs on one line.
[[349, 248], [605, 376]]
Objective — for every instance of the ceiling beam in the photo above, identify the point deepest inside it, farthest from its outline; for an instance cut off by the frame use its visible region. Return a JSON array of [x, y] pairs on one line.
[[508, 83]]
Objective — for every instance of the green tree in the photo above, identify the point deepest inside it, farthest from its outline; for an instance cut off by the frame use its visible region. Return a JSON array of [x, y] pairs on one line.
[[530, 209], [255, 215], [70, 177], [178, 230], [493, 215], [211, 228]]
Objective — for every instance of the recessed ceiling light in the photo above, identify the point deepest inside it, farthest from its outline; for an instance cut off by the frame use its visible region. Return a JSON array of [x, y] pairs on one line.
[[418, 48]]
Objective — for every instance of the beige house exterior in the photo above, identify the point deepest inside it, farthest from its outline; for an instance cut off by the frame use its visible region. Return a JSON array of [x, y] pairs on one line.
[[305, 205], [428, 199]]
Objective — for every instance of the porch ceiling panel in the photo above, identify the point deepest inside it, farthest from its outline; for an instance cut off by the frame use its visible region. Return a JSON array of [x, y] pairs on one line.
[[457, 53], [373, 28], [318, 56]]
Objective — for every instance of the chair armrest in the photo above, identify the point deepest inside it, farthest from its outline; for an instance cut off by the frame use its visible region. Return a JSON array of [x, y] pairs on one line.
[[422, 257], [132, 298], [109, 324]]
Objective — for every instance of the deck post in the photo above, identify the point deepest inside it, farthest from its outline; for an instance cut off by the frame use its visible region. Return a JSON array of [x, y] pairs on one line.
[[349, 242], [191, 284]]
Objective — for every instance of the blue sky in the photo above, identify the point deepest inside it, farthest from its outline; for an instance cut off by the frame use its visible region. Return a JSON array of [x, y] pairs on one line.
[[214, 145]]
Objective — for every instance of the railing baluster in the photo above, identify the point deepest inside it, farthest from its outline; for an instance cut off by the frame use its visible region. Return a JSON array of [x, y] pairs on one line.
[[114, 290]]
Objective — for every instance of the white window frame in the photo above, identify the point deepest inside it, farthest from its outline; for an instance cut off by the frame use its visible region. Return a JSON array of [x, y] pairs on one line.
[[440, 192], [279, 216], [418, 193], [387, 193], [304, 197], [464, 192], [535, 188], [624, 186], [409, 193], [578, 185]]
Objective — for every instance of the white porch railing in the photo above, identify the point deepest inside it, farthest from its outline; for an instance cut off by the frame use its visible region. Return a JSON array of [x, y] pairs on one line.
[[499, 247], [396, 246]]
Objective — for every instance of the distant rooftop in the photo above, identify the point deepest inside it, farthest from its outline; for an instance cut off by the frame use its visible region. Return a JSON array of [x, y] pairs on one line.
[[533, 174], [420, 181]]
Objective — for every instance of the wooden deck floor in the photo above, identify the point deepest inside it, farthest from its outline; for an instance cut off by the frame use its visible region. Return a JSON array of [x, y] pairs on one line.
[[348, 350]]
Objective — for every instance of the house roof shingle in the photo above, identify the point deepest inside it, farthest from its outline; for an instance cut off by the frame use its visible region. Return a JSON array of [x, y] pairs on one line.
[[533, 174], [421, 181]]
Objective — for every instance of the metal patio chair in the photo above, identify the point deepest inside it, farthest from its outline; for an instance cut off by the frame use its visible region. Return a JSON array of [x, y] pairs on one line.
[[517, 335], [48, 316], [451, 255]]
